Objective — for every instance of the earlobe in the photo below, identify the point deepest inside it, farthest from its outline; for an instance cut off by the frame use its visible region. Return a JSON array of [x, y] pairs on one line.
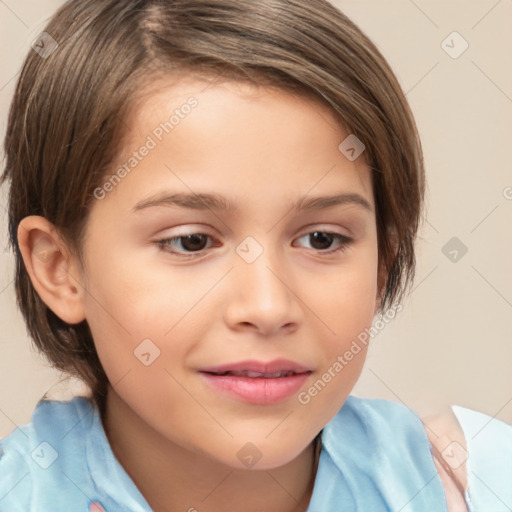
[[54, 272]]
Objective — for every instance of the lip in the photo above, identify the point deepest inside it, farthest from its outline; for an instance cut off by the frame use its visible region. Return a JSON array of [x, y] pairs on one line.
[[259, 390], [274, 366]]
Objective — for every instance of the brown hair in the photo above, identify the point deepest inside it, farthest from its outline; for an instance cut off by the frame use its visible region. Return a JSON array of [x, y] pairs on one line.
[[67, 116]]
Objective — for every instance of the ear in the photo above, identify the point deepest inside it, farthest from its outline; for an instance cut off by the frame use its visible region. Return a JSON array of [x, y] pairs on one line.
[[54, 272]]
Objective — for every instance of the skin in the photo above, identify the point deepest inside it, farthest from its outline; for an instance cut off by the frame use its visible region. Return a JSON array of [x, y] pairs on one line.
[[444, 432], [263, 149]]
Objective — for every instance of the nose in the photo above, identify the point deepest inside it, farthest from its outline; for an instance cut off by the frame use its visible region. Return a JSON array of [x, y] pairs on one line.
[[263, 296]]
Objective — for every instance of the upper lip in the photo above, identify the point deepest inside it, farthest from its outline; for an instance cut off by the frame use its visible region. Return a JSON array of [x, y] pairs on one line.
[[270, 367]]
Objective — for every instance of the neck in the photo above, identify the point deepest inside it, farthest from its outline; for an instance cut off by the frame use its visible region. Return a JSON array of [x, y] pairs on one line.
[[174, 478]]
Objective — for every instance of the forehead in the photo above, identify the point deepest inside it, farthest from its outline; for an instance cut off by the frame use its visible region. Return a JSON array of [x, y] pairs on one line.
[[237, 100], [236, 137]]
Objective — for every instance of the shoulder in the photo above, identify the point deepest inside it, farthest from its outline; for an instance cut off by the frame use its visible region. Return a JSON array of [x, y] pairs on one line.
[[379, 417], [32, 455], [381, 448], [476, 451], [446, 436], [15, 478], [449, 452], [370, 422]]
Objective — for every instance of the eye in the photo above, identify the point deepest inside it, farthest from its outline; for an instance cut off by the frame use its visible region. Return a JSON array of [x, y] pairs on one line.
[[322, 241], [188, 244], [191, 243]]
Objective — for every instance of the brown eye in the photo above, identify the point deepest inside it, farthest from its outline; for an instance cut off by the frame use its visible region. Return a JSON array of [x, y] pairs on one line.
[[184, 244], [195, 242], [322, 241]]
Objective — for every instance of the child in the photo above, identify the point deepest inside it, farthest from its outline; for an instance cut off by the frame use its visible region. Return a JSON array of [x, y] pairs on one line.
[[209, 202]]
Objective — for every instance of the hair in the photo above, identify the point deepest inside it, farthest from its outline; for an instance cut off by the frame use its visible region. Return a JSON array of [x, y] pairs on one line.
[[68, 118]]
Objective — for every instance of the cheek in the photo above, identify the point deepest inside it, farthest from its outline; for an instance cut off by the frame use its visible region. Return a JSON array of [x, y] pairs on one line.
[[347, 301], [130, 295], [346, 307], [144, 320]]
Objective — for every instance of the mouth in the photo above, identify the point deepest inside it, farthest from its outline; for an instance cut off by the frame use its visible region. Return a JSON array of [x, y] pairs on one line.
[[257, 375], [257, 382], [272, 369]]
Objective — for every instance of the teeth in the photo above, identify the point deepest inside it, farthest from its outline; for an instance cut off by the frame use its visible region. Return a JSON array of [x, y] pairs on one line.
[[257, 374]]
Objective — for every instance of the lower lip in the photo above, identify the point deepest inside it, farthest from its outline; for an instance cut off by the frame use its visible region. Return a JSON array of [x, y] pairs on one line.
[[257, 390]]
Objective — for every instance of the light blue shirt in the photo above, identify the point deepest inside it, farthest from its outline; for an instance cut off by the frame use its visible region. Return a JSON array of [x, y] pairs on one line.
[[375, 457]]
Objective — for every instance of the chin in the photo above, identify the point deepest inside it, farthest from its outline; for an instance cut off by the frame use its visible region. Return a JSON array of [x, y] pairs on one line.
[[254, 456]]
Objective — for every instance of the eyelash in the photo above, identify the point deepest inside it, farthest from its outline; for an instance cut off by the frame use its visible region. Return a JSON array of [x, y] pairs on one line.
[[344, 241]]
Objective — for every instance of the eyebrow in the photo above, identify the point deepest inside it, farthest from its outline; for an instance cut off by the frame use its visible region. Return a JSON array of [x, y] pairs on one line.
[[203, 201]]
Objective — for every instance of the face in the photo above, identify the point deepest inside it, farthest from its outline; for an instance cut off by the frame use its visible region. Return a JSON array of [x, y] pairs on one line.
[[264, 271]]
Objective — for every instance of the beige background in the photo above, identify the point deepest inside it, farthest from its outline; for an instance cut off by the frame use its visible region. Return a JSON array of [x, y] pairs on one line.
[[451, 343]]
